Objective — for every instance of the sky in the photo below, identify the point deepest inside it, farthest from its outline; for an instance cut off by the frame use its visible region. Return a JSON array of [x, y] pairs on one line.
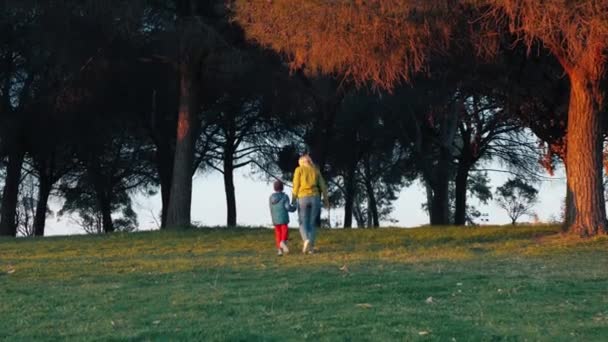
[[209, 204]]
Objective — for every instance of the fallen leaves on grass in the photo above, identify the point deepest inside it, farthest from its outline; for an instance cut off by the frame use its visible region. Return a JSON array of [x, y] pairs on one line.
[[423, 333], [365, 305], [429, 300]]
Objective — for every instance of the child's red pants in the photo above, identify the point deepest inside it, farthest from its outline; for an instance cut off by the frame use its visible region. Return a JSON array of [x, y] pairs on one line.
[[281, 233]]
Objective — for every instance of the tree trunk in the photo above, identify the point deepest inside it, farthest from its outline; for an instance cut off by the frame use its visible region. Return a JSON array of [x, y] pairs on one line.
[[102, 194], [324, 127], [44, 190], [229, 189], [359, 217], [180, 198], [10, 195], [371, 198], [373, 205], [106, 214], [323, 131], [164, 159], [349, 197], [462, 175], [165, 193], [439, 207], [568, 207], [437, 174], [584, 156]]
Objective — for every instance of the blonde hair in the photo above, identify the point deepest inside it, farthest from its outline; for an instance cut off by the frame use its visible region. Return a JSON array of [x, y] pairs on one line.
[[305, 160]]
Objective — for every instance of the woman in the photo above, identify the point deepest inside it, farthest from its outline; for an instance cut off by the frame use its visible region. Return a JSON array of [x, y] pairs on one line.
[[308, 186]]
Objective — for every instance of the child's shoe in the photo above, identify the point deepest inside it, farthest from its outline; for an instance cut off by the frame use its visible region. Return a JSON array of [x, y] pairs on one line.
[[284, 247], [279, 252]]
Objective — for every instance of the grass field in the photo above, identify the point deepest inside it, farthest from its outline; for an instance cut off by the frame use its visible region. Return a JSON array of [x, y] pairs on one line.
[[442, 284]]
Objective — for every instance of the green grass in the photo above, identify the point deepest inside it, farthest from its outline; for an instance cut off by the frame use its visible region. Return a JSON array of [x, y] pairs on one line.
[[486, 284]]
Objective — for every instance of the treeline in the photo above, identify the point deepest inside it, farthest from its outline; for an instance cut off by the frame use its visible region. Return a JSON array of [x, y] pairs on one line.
[[102, 100]]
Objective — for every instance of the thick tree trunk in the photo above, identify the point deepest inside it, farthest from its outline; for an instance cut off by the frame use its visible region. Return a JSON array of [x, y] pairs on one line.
[[178, 213], [10, 195], [439, 207], [349, 197], [462, 176], [584, 156], [437, 175], [44, 190]]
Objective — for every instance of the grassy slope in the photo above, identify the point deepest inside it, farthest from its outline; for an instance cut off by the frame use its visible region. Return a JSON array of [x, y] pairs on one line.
[[485, 283]]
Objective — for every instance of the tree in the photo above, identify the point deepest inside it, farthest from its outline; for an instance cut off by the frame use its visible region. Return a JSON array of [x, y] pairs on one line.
[[155, 83], [366, 164], [26, 207], [576, 33], [478, 186], [40, 68], [204, 33], [113, 158], [112, 167], [16, 78], [426, 118], [84, 203], [241, 126], [517, 198], [189, 70], [235, 137]]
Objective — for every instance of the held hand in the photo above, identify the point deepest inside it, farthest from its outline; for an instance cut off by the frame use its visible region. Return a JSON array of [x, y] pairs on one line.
[[326, 203]]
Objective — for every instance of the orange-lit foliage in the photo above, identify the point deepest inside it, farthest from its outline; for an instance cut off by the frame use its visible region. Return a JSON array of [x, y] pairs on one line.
[[377, 41], [575, 31], [384, 41]]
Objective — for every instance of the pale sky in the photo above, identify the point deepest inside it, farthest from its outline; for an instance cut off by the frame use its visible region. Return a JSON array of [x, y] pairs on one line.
[[209, 204]]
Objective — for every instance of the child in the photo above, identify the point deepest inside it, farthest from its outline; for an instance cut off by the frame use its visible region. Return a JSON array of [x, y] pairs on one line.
[[279, 210]]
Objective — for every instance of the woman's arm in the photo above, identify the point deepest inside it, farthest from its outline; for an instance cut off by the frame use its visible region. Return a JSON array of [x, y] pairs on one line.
[[323, 188], [296, 184]]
